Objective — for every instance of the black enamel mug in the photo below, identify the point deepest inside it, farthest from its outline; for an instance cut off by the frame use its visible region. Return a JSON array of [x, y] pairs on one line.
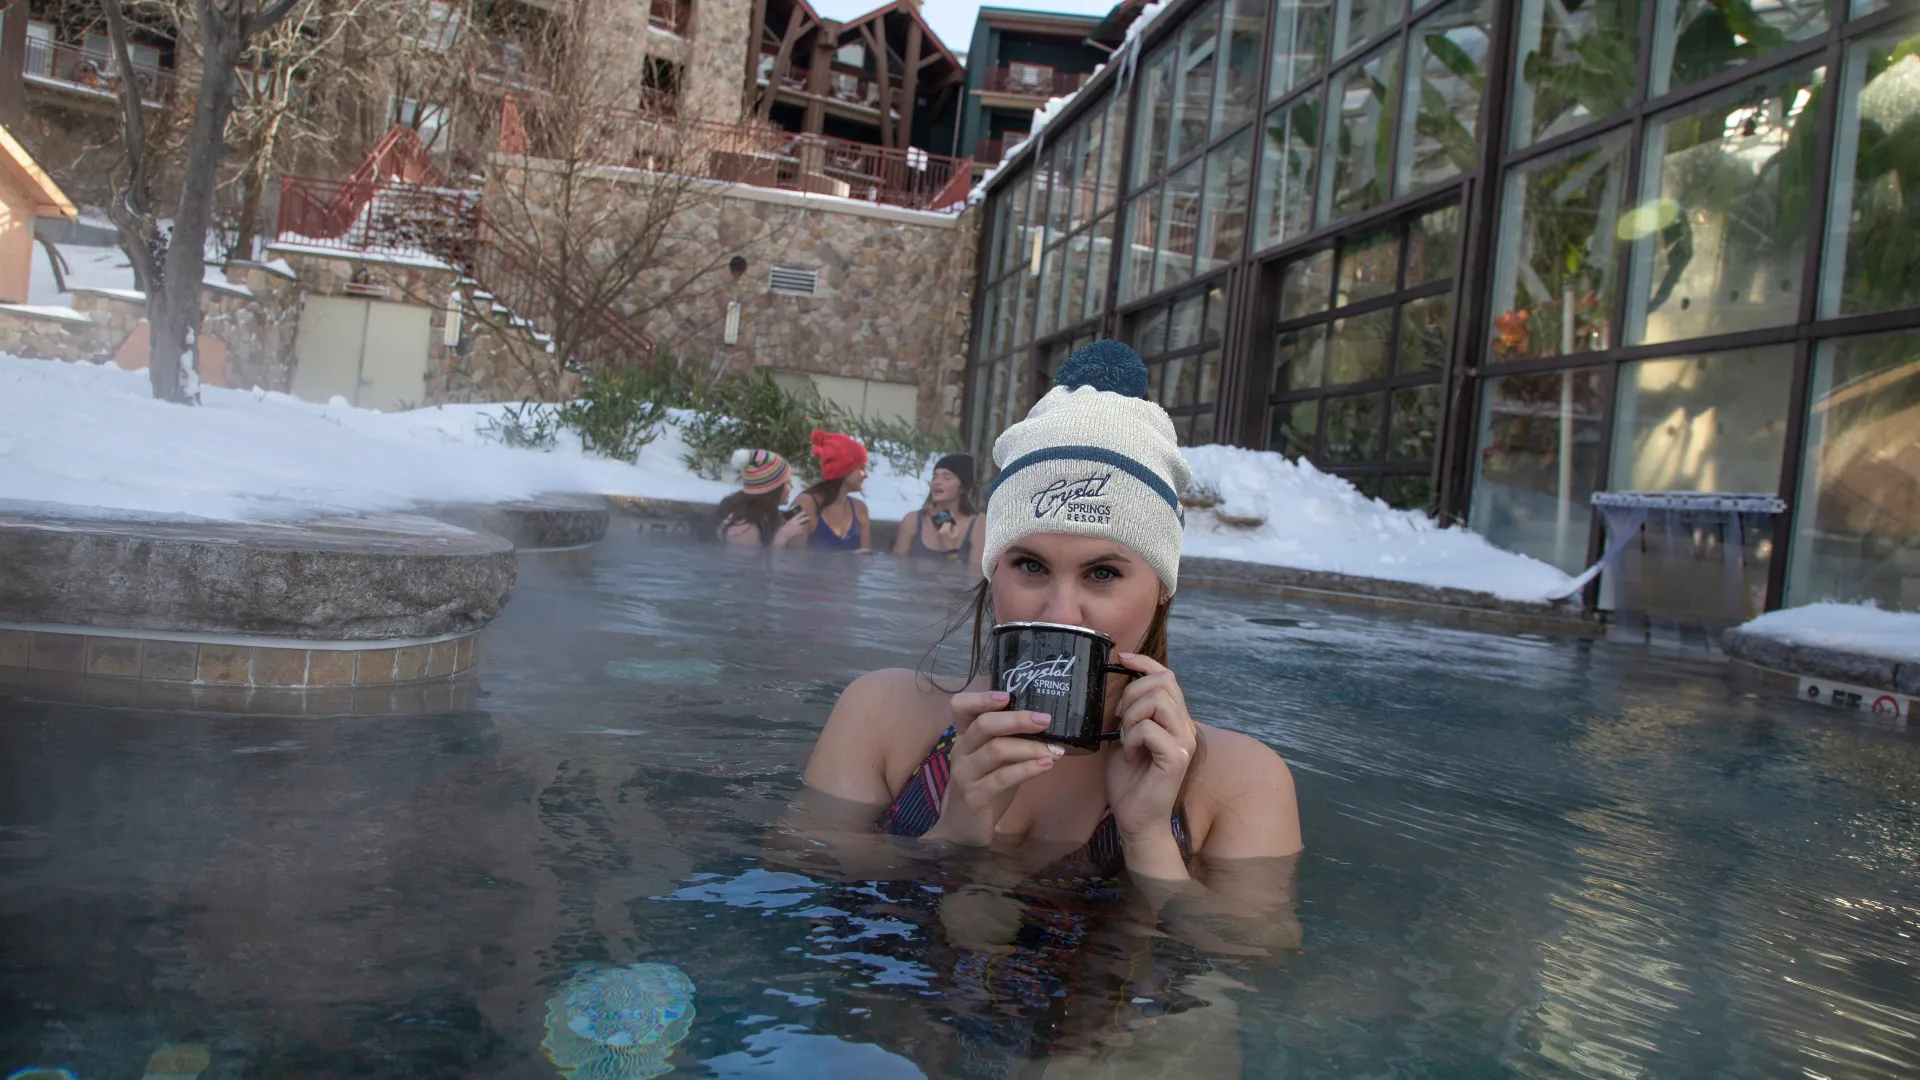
[[1059, 670]]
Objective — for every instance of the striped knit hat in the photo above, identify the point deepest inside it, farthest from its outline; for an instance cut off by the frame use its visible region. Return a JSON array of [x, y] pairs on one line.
[[1093, 458], [761, 471]]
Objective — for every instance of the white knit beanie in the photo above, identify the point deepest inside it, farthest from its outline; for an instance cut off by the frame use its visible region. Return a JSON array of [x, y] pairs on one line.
[[1093, 458]]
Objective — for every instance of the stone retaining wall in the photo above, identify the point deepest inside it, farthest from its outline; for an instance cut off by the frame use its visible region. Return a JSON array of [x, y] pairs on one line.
[[893, 286], [255, 318]]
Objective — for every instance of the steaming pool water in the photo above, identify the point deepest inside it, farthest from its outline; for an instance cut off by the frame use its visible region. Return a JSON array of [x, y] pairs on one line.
[[1524, 857]]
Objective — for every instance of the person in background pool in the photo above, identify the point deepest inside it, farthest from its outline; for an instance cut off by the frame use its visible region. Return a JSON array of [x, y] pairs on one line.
[[1084, 527], [837, 519], [948, 527], [751, 516]]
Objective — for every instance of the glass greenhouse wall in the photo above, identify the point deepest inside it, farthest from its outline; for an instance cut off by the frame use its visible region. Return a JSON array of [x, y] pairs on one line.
[[1485, 259]]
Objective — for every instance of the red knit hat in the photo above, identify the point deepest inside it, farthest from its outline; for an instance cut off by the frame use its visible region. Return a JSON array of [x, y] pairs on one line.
[[839, 455]]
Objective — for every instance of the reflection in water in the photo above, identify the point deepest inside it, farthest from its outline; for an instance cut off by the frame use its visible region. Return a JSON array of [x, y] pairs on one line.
[[619, 1024], [1524, 858]]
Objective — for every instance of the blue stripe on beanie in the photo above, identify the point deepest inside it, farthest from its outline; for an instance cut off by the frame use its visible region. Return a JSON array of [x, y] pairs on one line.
[[1099, 454]]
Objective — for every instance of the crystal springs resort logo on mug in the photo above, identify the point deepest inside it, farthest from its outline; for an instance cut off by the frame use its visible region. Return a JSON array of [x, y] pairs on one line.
[[1053, 676], [1061, 671]]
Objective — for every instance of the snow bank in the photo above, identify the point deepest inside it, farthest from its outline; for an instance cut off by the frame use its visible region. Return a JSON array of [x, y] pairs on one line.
[[1858, 628], [1290, 514], [88, 435]]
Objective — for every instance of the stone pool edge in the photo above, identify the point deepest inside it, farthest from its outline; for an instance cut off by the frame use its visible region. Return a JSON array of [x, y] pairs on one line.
[[1789, 662], [1457, 606]]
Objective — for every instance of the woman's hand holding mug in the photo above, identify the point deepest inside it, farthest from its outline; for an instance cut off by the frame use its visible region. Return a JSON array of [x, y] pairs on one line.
[[1157, 743], [988, 766]]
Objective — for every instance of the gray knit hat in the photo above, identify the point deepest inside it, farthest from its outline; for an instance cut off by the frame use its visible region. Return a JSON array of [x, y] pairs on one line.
[[1093, 458]]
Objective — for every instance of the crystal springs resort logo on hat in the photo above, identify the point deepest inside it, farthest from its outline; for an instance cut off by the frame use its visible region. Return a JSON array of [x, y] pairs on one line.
[[1073, 500]]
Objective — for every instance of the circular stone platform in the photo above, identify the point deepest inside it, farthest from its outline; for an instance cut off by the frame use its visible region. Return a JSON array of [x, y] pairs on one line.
[[335, 580], [545, 523]]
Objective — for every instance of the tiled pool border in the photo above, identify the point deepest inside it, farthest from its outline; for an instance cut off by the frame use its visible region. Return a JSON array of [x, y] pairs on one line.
[[226, 673]]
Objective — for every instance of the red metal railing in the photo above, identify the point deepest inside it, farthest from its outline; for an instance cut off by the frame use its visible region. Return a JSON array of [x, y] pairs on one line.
[[391, 218], [1040, 82], [954, 195], [91, 70], [400, 220], [390, 206], [327, 210]]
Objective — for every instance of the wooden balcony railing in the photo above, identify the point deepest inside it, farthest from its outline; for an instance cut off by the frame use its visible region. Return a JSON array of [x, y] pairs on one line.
[[1035, 82], [91, 71], [749, 154], [822, 165]]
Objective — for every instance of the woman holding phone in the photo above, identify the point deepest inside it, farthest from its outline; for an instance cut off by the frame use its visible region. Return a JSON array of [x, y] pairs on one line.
[[835, 519], [752, 517], [1083, 529], [947, 527]]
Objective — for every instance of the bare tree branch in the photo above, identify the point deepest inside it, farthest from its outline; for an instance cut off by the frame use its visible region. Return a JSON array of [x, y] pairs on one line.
[[132, 211], [596, 228]]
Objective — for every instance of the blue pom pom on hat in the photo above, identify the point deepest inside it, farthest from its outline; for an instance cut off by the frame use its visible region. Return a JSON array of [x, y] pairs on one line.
[[1106, 364]]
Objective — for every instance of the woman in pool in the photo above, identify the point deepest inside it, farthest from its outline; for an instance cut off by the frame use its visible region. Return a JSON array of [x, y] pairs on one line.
[[751, 516], [840, 520], [948, 527], [1084, 528]]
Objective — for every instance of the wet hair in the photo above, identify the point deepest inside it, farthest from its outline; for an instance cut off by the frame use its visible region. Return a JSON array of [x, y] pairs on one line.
[[762, 511]]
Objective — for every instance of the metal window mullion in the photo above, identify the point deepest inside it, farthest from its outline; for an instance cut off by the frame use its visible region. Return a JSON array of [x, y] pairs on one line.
[[1596, 531], [1792, 452], [1405, 36], [1123, 201], [1625, 254], [1368, 220], [1820, 204]]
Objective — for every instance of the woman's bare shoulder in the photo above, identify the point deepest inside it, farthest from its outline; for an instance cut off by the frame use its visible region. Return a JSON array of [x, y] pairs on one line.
[[1246, 792], [880, 729]]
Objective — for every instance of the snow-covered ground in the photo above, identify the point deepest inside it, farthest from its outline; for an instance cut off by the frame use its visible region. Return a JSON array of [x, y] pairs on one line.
[[86, 435], [1314, 521], [1858, 628]]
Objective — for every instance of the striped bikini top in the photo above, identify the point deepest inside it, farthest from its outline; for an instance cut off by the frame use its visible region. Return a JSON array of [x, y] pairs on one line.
[[917, 808]]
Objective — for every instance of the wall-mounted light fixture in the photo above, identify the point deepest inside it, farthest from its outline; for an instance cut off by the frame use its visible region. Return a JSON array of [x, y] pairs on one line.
[[732, 333]]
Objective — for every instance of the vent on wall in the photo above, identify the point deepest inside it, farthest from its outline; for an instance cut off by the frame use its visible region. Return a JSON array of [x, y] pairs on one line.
[[795, 281]]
